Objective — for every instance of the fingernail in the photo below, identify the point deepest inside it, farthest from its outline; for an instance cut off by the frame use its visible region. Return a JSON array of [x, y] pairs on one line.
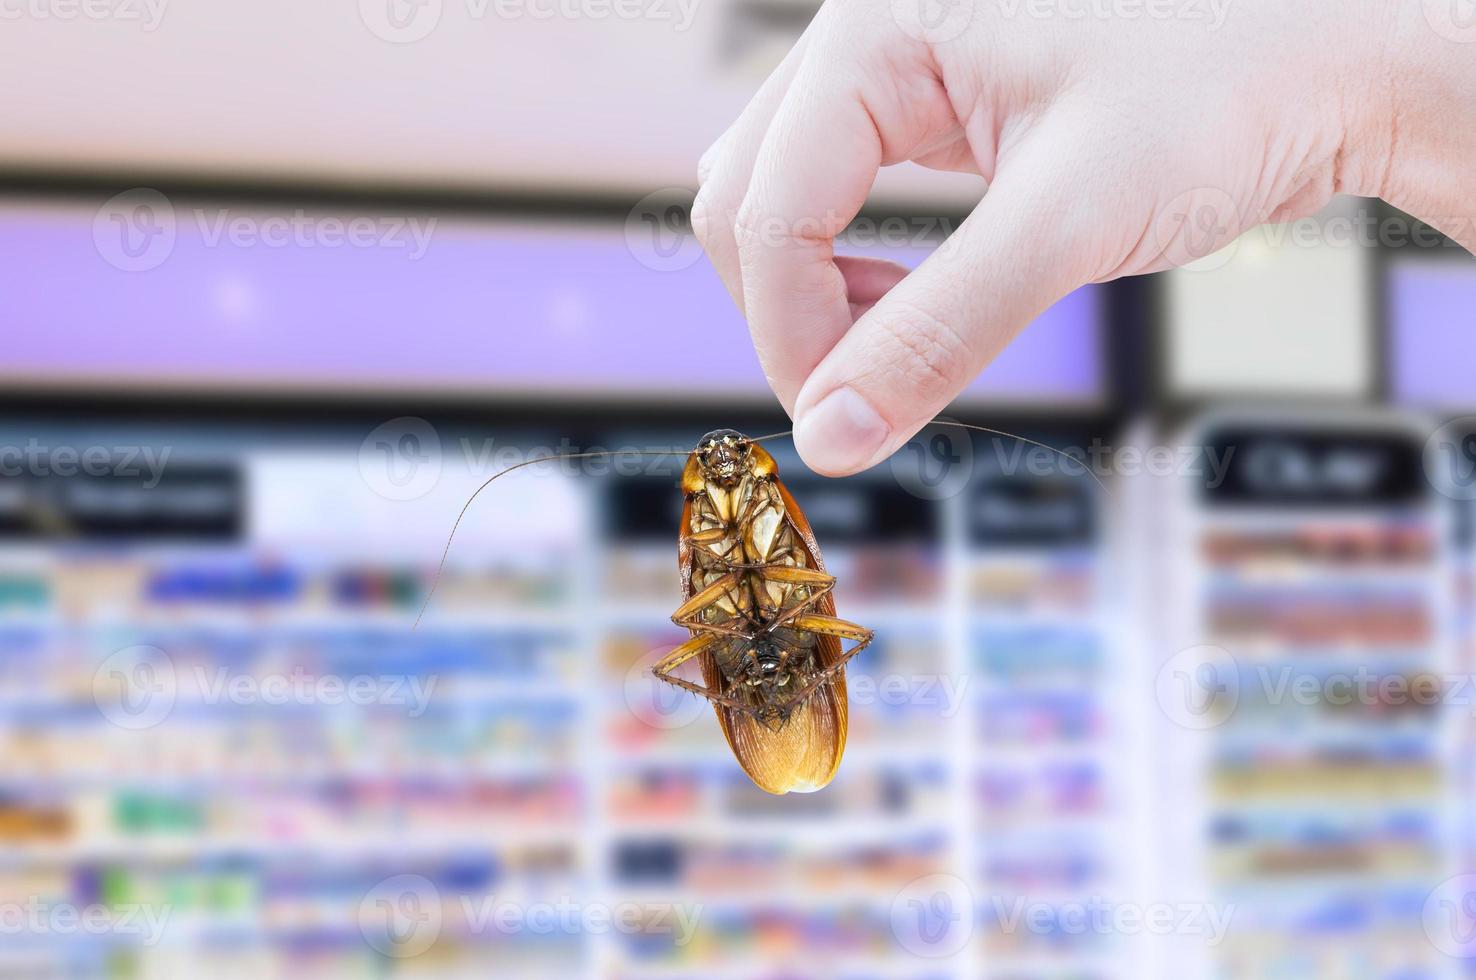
[[841, 434]]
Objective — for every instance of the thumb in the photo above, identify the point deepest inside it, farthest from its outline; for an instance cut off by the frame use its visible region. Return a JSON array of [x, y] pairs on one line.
[[907, 357]]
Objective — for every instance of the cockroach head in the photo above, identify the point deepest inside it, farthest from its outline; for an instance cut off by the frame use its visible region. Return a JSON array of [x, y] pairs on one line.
[[724, 456]]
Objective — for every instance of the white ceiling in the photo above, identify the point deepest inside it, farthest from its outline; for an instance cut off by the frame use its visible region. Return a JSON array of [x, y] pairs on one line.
[[493, 95]]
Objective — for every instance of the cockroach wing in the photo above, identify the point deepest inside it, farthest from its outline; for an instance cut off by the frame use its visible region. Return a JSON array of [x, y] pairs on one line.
[[802, 755]]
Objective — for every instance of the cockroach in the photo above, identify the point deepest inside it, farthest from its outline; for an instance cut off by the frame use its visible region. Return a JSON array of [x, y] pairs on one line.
[[759, 609]]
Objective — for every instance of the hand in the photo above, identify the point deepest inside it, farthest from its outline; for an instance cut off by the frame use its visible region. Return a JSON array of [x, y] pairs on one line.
[[1112, 145]]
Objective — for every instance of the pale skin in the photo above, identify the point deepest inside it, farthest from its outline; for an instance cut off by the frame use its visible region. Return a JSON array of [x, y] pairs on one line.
[[1110, 144]]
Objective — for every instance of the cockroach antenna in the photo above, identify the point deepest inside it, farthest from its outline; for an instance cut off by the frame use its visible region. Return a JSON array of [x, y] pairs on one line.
[[994, 432], [504, 472]]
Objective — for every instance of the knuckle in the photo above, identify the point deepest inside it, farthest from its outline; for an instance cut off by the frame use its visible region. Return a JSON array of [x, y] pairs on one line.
[[703, 216], [756, 226]]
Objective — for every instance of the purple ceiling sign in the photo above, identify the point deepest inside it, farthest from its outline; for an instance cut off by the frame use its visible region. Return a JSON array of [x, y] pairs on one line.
[[152, 292]]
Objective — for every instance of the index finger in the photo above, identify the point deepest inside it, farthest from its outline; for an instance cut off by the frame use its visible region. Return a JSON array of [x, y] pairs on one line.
[[816, 165]]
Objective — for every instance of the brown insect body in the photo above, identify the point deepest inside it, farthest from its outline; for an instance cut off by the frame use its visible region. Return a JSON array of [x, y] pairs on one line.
[[759, 607]]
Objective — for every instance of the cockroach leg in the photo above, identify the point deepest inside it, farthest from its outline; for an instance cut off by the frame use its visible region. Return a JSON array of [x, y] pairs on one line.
[[681, 654], [703, 540], [833, 627], [688, 612], [694, 647], [701, 691], [818, 583]]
